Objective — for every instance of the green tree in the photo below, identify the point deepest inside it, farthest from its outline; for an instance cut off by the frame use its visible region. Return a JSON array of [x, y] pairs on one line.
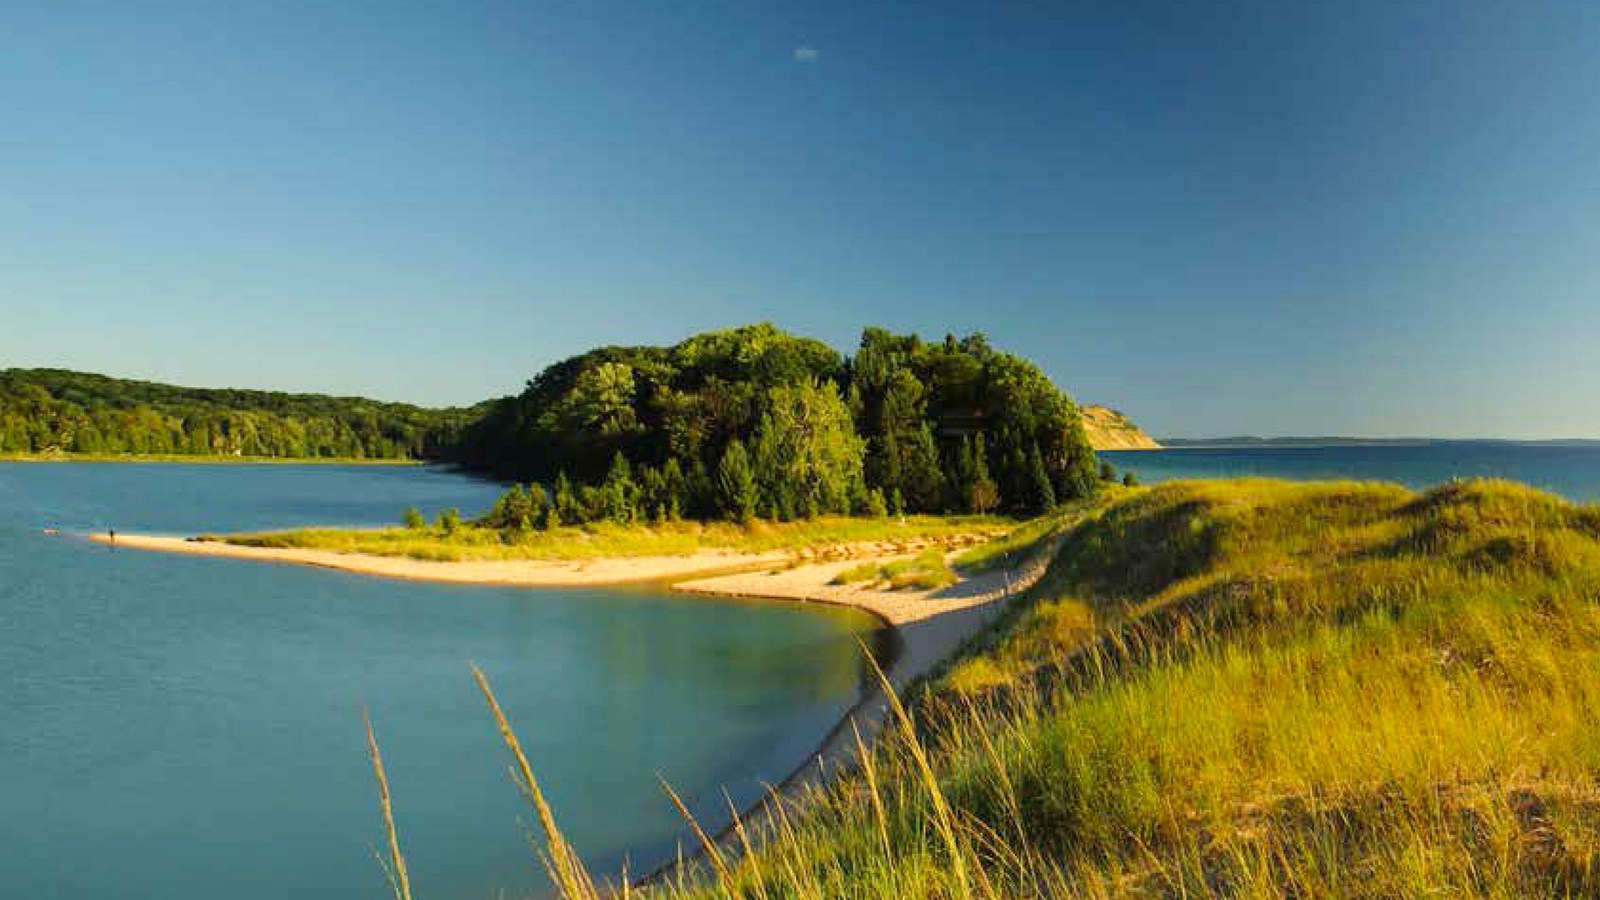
[[414, 519], [675, 486], [983, 495], [875, 507], [653, 494], [518, 508], [568, 509], [737, 494], [619, 494], [449, 521], [1043, 487], [1129, 479], [807, 454]]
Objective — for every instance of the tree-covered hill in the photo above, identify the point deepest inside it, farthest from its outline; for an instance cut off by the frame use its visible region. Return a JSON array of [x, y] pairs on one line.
[[53, 411], [744, 422], [755, 421]]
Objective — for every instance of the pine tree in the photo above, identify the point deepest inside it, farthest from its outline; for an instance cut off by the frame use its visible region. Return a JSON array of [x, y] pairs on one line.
[[619, 500], [538, 502], [875, 506], [737, 495], [675, 488], [1044, 492], [567, 508], [984, 494]]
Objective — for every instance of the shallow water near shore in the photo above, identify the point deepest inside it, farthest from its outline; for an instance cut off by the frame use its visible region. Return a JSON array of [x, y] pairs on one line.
[[187, 727]]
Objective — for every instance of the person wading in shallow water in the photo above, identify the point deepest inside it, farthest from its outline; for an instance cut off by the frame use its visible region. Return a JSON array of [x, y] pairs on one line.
[[113, 534]]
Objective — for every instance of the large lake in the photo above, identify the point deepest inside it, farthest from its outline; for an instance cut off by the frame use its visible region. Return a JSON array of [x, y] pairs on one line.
[[182, 727], [1571, 470]]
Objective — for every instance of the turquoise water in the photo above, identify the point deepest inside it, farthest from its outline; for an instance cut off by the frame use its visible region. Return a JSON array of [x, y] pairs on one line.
[[186, 727], [1571, 470]]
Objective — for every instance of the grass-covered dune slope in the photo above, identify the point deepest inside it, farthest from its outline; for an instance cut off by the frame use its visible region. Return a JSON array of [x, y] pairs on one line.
[[1247, 689]]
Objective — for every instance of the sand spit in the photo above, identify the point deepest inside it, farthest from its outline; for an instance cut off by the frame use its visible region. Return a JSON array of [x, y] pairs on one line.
[[524, 572]]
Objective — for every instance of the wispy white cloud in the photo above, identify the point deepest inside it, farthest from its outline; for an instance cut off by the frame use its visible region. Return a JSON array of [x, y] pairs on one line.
[[806, 54]]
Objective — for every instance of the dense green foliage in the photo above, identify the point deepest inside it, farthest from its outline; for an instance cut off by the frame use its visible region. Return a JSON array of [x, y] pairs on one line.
[[739, 424], [756, 422], [50, 411]]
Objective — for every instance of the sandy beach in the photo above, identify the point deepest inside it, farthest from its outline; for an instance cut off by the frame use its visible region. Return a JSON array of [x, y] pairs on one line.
[[931, 624], [524, 572]]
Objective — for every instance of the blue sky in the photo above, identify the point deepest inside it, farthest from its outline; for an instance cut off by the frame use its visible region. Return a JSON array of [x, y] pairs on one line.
[[1274, 218]]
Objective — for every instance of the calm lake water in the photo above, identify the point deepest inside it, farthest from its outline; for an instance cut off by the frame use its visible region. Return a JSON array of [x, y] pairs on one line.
[[1572, 471], [183, 727]]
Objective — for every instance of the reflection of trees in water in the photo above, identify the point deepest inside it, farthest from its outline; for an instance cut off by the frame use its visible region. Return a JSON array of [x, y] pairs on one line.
[[817, 669], [886, 645], [742, 657]]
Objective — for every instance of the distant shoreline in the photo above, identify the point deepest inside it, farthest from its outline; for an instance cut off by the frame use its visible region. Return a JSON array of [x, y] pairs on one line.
[[206, 459], [598, 572]]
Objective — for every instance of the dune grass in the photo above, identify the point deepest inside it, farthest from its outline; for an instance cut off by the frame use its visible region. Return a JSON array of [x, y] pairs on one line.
[[605, 539], [927, 571], [1244, 689], [1011, 548]]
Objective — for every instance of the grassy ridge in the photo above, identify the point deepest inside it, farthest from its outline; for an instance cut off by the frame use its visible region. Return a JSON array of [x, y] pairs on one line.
[[1247, 689], [1259, 689], [604, 539]]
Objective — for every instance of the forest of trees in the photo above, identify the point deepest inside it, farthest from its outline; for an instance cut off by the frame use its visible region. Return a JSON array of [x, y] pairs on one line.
[[757, 422], [742, 423], [50, 411]]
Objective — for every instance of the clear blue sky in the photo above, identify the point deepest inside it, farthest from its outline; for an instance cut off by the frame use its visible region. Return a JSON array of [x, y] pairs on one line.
[[1354, 218]]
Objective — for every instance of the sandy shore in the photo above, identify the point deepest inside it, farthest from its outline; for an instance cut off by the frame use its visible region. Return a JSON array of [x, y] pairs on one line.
[[524, 572], [929, 627], [813, 584]]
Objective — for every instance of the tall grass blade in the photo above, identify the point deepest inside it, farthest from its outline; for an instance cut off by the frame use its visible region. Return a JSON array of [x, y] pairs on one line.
[[571, 879], [399, 880], [943, 820], [708, 846]]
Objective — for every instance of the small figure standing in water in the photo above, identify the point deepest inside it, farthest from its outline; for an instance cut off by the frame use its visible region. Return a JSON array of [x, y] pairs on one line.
[[112, 533]]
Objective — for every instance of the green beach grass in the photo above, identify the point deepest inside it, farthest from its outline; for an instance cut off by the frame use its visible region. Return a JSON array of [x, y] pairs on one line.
[[604, 539], [1241, 689], [926, 571]]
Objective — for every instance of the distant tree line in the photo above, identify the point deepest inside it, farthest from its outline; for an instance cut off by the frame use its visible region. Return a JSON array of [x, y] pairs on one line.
[[755, 422], [53, 411]]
